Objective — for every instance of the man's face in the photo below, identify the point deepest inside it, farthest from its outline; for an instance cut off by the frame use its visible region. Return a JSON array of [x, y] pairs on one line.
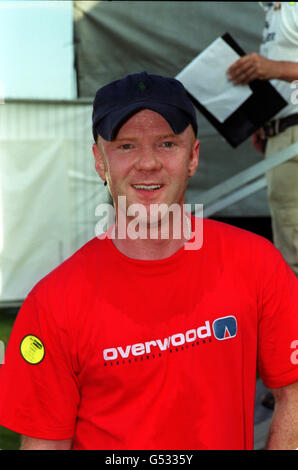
[[147, 162]]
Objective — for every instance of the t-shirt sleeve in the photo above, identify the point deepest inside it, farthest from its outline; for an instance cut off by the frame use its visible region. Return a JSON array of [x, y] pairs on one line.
[[39, 392], [278, 320], [289, 23]]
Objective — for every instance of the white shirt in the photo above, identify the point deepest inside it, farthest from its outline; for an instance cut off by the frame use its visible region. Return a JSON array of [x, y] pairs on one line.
[[280, 42]]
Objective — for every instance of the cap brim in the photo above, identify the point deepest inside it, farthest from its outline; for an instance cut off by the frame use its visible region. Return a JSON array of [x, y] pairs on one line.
[[109, 126]]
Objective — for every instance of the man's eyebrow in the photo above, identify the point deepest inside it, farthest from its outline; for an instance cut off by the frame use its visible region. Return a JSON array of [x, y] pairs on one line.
[[162, 136], [124, 139], [169, 136]]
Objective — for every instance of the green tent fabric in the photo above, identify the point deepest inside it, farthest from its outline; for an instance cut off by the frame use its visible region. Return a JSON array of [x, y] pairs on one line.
[[115, 38]]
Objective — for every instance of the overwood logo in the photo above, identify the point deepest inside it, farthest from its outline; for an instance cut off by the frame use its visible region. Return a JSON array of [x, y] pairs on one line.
[[223, 328]]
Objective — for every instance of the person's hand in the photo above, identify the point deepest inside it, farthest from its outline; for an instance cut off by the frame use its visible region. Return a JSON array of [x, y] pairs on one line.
[[259, 140], [251, 67]]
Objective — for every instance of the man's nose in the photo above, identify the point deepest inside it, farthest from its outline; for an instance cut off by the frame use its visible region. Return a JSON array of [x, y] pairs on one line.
[[148, 160]]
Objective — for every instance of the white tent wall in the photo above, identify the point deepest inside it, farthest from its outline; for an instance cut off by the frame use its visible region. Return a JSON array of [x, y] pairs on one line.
[[49, 190]]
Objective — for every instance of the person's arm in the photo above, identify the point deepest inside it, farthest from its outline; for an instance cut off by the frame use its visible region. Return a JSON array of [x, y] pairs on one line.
[[283, 432], [31, 443], [254, 66]]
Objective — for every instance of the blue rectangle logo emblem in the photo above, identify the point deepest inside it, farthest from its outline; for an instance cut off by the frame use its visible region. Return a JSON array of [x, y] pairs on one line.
[[225, 328]]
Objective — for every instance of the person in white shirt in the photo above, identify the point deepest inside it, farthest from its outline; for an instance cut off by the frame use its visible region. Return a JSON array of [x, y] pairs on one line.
[[278, 62]]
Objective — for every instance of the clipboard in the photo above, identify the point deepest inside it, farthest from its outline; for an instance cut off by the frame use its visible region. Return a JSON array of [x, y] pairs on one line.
[[264, 102]]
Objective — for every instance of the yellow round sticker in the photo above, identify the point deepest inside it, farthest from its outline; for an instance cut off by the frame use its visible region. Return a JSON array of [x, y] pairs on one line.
[[32, 349]]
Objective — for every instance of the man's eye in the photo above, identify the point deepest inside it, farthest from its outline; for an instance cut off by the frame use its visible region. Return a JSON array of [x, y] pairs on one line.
[[126, 146], [168, 144]]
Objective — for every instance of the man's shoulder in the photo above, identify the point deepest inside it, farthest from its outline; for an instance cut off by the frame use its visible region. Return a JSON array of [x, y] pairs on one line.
[[72, 272], [243, 250], [224, 237], [231, 233]]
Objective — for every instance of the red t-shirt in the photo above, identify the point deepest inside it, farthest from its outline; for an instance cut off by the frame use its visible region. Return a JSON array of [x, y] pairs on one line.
[[119, 353]]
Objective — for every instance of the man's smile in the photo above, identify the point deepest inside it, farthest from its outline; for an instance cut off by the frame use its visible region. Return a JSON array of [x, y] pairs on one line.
[[147, 187]]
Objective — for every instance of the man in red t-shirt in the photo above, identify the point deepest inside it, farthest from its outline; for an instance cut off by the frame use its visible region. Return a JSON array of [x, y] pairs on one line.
[[153, 341]]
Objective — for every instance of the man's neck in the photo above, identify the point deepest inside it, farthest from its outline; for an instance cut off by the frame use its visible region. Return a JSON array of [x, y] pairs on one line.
[[148, 249], [153, 248]]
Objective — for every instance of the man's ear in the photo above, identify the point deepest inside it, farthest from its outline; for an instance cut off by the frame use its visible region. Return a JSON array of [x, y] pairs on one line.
[[99, 161], [194, 158]]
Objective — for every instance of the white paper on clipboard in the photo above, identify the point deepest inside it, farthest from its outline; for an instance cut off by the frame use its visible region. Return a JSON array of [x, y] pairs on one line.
[[205, 77]]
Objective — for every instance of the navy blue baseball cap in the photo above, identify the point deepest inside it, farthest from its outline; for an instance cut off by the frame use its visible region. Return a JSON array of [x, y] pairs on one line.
[[117, 101]]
